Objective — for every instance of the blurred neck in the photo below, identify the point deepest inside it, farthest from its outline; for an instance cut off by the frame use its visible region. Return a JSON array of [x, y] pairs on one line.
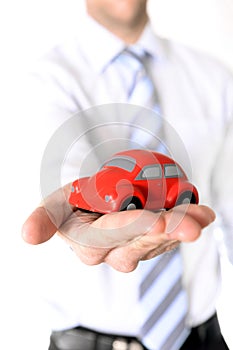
[[128, 29], [129, 34]]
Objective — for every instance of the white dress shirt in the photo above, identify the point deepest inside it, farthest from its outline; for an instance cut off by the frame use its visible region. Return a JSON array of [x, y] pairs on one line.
[[196, 98]]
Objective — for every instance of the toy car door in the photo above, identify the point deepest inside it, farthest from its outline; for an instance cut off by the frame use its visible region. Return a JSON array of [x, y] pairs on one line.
[[150, 181]]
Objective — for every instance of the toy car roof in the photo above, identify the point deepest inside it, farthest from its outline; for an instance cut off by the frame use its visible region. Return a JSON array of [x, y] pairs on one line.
[[144, 157]]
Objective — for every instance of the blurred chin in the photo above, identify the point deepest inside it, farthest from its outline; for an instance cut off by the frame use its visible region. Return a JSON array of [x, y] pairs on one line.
[[124, 11]]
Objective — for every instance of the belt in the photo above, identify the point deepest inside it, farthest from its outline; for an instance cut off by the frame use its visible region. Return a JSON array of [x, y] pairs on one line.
[[80, 338], [85, 339]]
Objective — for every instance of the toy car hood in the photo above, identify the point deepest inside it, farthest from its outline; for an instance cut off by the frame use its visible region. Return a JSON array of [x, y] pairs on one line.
[[105, 192]]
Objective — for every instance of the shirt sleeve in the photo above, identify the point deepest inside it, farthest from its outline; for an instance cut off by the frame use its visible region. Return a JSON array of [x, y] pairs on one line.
[[222, 184], [51, 97]]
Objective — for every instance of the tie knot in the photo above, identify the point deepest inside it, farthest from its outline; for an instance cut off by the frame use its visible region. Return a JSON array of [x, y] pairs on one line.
[[137, 52], [133, 61], [135, 56]]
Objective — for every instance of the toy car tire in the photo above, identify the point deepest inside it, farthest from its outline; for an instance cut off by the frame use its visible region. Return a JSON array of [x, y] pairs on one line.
[[186, 198], [131, 203]]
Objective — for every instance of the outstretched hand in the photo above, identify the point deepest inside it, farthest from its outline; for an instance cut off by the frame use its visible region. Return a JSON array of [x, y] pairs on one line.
[[119, 239]]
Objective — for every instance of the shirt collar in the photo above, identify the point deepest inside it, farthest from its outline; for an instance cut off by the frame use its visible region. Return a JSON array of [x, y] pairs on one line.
[[107, 46], [151, 43]]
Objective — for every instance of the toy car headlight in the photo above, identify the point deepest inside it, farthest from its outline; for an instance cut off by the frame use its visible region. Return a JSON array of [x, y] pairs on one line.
[[75, 189], [107, 198]]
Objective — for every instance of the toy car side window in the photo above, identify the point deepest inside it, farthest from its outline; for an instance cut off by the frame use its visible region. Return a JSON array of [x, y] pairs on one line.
[[150, 172], [172, 170]]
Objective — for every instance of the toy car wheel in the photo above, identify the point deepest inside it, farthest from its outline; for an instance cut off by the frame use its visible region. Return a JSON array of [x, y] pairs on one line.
[[186, 198], [131, 203]]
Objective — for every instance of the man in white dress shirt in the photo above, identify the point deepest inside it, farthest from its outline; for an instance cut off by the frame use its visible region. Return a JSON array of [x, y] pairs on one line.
[[92, 300]]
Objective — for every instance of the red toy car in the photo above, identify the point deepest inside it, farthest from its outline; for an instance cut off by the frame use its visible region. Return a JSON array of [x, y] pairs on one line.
[[134, 179]]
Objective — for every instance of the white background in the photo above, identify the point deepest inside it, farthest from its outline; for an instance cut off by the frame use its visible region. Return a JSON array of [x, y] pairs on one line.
[[28, 28]]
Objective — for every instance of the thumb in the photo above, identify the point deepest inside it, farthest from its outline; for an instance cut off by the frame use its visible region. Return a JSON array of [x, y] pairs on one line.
[[38, 228], [44, 221]]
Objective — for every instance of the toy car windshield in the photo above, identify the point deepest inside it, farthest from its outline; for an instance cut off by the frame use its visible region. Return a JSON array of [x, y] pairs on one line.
[[125, 163]]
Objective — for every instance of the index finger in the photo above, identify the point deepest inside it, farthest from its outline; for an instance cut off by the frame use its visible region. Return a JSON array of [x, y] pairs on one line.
[[116, 229]]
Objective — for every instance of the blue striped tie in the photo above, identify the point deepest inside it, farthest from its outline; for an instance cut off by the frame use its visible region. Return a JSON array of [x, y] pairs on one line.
[[133, 67], [163, 303], [162, 299]]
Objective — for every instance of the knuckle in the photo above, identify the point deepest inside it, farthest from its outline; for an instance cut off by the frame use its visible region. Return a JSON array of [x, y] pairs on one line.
[[89, 256], [125, 265]]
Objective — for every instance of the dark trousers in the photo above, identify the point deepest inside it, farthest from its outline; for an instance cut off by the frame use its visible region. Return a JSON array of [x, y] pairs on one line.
[[204, 337]]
